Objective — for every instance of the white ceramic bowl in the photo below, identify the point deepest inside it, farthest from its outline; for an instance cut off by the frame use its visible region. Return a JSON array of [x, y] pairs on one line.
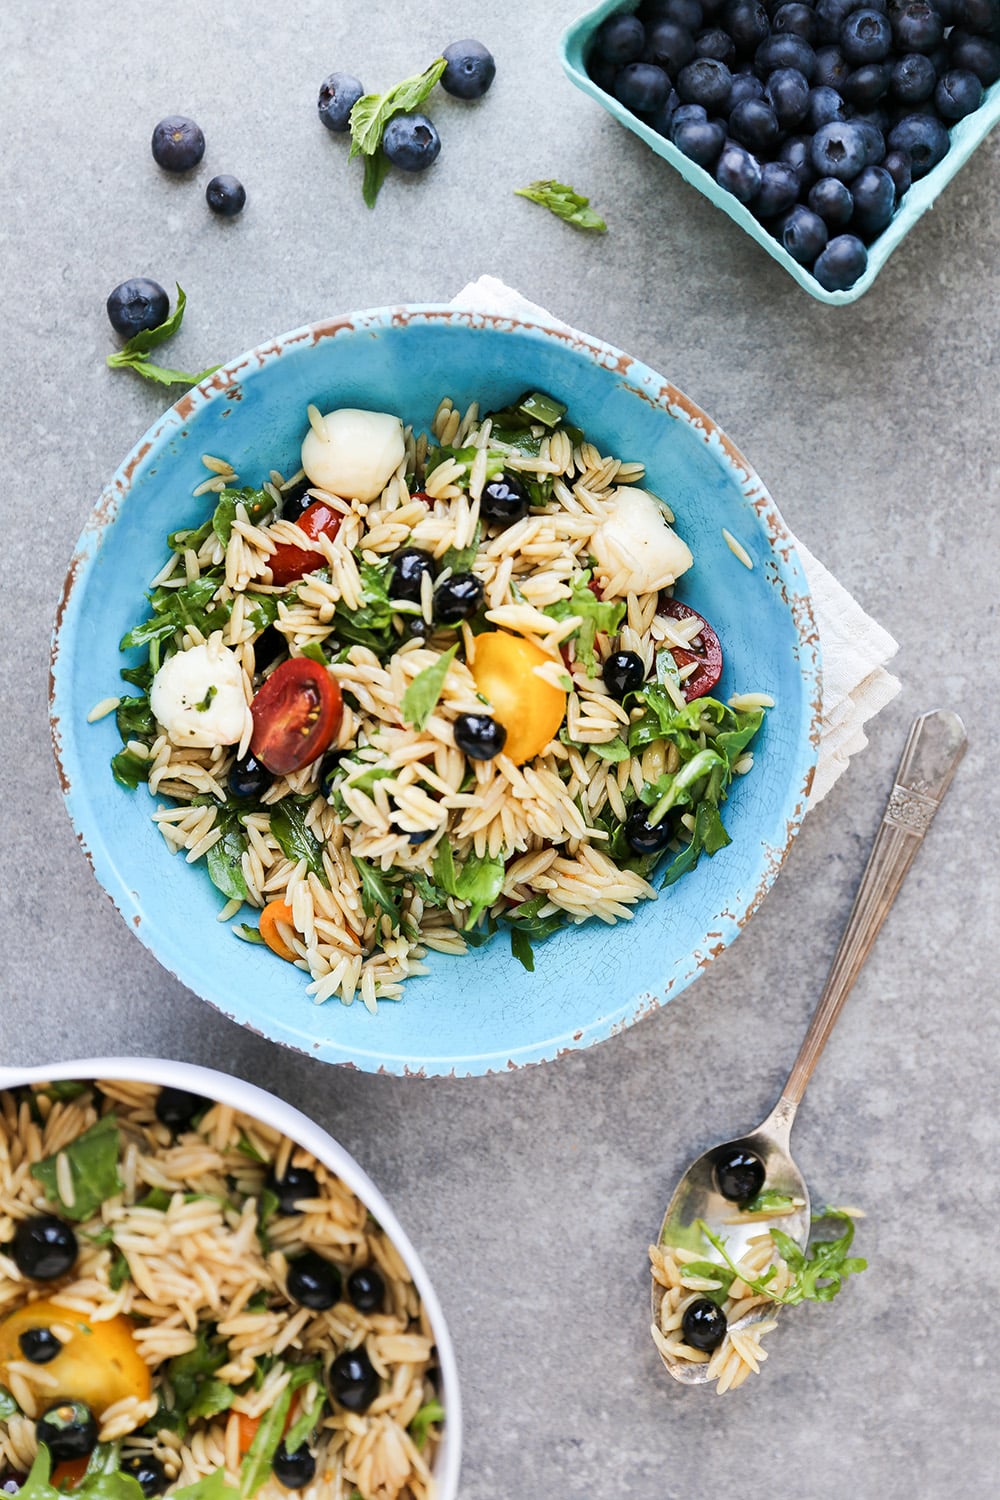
[[275, 1112]]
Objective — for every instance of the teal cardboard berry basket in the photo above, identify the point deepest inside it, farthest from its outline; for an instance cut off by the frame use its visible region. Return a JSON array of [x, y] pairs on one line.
[[965, 137]]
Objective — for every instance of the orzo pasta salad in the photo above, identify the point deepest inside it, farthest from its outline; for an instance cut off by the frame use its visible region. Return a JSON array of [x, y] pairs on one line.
[[430, 687], [193, 1305]]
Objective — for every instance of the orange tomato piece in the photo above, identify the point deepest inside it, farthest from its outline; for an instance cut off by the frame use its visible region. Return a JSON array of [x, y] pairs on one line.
[[66, 1476], [273, 913], [99, 1365], [248, 1428], [529, 708]]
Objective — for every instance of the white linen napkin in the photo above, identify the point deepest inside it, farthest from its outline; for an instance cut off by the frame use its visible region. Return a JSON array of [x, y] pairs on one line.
[[855, 648]]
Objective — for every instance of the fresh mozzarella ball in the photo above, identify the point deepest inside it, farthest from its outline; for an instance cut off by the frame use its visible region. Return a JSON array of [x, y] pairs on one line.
[[637, 551], [198, 697], [357, 458]]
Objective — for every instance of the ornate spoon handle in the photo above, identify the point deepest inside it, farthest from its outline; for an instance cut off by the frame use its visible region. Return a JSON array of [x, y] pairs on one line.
[[936, 745]]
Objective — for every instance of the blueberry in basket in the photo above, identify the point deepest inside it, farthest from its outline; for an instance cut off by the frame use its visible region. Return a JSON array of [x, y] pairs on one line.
[[816, 117]]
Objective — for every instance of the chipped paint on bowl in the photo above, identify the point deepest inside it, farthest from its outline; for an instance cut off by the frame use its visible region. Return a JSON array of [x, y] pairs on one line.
[[481, 1013]]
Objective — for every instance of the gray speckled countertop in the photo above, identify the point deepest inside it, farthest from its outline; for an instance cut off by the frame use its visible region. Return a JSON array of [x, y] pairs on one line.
[[533, 1196]]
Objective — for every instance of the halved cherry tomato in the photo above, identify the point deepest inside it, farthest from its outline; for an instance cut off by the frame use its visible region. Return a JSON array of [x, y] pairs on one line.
[[288, 563], [423, 495], [67, 1475], [248, 1428], [273, 913], [296, 713], [99, 1365], [704, 649], [528, 707]]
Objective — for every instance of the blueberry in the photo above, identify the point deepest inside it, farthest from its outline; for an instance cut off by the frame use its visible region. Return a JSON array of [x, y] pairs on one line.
[[924, 138], [471, 68], [687, 13], [338, 94], [797, 152], [865, 37], [645, 837], [620, 39], [366, 1289], [479, 736], [841, 263], [916, 27], [701, 140], [297, 1183], [874, 142], [803, 234], [868, 84], [668, 46], [705, 81], [755, 124], [831, 15], [831, 69], [779, 188], [68, 1430], [746, 22], [825, 105], [147, 1471], [913, 78], [979, 16], [832, 201], [411, 142], [874, 194], [946, 10], [642, 87], [504, 500], [795, 19], [137, 305], [900, 169], [178, 144], [353, 1381], [603, 73], [686, 114], [624, 673], [313, 1282], [714, 42], [739, 1174], [39, 1345], [295, 1470], [248, 780], [11, 1482], [957, 94], [295, 499], [788, 92], [703, 1325], [409, 567], [979, 54], [179, 1108], [838, 150], [788, 51], [226, 196], [661, 119], [738, 171], [457, 598], [270, 644], [745, 86]]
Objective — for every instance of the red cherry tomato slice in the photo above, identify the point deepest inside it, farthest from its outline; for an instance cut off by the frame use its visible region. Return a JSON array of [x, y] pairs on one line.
[[289, 563], [296, 714], [423, 495], [704, 650]]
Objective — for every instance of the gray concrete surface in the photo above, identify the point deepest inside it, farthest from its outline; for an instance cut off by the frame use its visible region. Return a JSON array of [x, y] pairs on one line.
[[533, 1196]]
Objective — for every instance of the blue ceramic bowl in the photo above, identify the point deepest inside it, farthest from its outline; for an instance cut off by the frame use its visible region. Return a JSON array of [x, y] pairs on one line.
[[484, 1012], [965, 137]]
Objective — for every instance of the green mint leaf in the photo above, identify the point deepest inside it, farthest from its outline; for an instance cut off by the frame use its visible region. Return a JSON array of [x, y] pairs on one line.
[[288, 824], [429, 1415], [376, 171], [565, 202], [421, 697], [372, 113], [93, 1166]]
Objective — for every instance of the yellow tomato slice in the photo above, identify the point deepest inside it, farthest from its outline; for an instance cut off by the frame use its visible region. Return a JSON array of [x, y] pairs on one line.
[[98, 1365], [529, 708]]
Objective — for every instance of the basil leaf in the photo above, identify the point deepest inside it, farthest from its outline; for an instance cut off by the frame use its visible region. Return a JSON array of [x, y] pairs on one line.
[[8, 1406], [421, 697], [288, 824], [256, 1467], [95, 1485], [314, 651], [372, 113], [224, 861], [119, 1272], [129, 769], [257, 503], [93, 1166], [371, 624], [377, 895], [428, 1416], [213, 1397], [613, 750], [520, 947], [565, 202], [132, 355], [187, 1373], [161, 374]]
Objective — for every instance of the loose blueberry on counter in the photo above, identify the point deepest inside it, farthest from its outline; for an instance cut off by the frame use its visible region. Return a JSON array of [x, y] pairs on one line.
[[504, 500], [366, 1289], [916, 27], [795, 19], [338, 94], [179, 1108], [738, 171], [68, 1430], [779, 188], [296, 1184], [714, 42], [39, 1345], [479, 736], [624, 673], [294, 1470], [313, 1282], [645, 837], [913, 78], [411, 142], [701, 140], [457, 598], [788, 94], [980, 54], [831, 69], [226, 196], [137, 305], [755, 125], [353, 1381], [406, 575], [669, 47], [642, 87], [899, 168], [178, 144], [838, 150], [831, 200], [705, 81], [703, 1325], [924, 138], [841, 264], [739, 1174], [865, 37], [747, 24], [619, 40], [248, 780], [44, 1248], [874, 194], [147, 1471], [958, 93], [803, 234], [470, 71]]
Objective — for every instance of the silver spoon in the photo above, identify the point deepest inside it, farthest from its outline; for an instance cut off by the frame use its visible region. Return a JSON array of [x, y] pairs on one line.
[[936, 745]]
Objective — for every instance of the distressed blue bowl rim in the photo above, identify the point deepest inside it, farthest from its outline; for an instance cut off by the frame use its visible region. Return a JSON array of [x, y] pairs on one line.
[[76, 762], [966, 135]]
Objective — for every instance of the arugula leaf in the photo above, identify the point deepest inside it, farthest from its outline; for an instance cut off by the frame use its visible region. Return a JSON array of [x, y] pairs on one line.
[[768, 1201], [372, 113], [133, 355], [129, 769], [428, 1416], [188, 1372], [256, 1467], [818, 1273], [140, 677], [224, 860], [112, 1485], [157, 1199], [712, 1271], [257, 503], [213, 1397], [212, 1487], [479, 881], [377, 895], [135, 719], [120, 1270], [64, 1089], [267, 1206], [8, 1406], [421, 697], [520, 947], [565, 202], [460, 559], [314, 652], [172, 609], [603, 615], [305, 1424], [371, 623], [246, 1147], [288, 824], [93, 1166], [613, 750], [526, 921]]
